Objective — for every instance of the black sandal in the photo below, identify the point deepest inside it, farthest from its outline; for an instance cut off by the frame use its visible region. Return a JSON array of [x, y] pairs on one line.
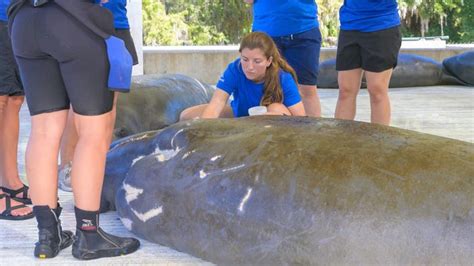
[[12, 193], [7, 213]]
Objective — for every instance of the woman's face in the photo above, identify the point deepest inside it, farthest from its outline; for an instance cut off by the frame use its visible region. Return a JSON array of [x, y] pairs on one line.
[[254, 63]]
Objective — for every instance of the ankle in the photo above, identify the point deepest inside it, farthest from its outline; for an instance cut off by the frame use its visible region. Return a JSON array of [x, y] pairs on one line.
[[87, 221]]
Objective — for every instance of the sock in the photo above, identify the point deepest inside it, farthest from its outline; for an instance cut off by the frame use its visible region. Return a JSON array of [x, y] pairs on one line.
[[46, 217], [87, 220]]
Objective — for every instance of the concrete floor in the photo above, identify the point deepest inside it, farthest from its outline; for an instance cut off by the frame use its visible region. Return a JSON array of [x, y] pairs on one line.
[[446, 111]]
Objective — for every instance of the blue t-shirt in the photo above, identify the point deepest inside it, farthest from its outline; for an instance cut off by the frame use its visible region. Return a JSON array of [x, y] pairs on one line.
[[248, 94], [369, 15], [284, 17], [3, 9], [119, 10]]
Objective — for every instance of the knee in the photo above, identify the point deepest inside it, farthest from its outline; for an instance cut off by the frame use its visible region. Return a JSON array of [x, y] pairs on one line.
[[308, 91], [278, 108], [16, 101], [378, 93], [348, 90]]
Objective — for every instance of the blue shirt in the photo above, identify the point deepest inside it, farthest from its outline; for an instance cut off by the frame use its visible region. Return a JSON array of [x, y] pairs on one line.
[[369, 15], [119, 10], [3, 9], [248, 94], [284, 17]]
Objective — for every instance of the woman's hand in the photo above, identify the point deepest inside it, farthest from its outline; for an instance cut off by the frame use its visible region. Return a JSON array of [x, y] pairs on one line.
[[216, 105], [248, 1]]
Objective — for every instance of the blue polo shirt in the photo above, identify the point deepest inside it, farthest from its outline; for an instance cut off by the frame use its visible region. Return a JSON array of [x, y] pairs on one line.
[[3, 9], [369, 15], [284, 17], [248, 93], [119, 10]]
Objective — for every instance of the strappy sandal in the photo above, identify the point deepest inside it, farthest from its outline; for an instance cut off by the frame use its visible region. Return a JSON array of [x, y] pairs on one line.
[[12, 193], [7, 213]]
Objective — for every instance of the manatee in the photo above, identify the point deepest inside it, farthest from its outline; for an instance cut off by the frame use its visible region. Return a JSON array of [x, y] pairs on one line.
[[461, 66], [286, 190], [411, 71], [156, 101]]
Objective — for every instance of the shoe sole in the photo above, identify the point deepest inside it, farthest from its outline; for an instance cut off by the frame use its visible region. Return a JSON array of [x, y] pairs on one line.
[[45, 251], [90, 255]]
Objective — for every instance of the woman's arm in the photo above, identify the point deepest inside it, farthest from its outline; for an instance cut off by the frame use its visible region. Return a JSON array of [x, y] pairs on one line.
[[297, 109], [216, 105]]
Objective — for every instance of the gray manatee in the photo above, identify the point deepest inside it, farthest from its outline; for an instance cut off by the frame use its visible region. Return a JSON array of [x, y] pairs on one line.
[[156, 101], [411, 71], [461, 66], [286, 190]]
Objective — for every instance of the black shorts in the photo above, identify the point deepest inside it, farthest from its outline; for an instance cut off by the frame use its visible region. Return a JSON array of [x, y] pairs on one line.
[[372, 51], [125, 35], [61, 62], [10, 82]]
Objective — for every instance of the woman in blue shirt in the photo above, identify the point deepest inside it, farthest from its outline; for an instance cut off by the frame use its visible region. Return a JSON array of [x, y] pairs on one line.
[[259, 77], [369, 41]]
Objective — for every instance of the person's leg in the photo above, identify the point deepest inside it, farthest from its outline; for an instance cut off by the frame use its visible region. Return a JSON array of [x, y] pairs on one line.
[[349, 85], [310, 99], [302, 54], [196, 111], [68, 141], [10, 126], [89, 158], [377, 85], [42, 156], [277, 109], [16, 212]]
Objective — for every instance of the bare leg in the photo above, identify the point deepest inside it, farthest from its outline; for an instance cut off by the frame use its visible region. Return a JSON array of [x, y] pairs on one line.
[[95, 134], [9, 173], [42, 156], [310, 99], [349, 85], [196, 111], [68, 141], [377, 84], [278, 109], [10, 126]]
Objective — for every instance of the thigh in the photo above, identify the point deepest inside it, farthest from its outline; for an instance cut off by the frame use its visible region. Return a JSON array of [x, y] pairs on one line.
[[10, 83], [380, 49], [302, 53], [44, 86], [348, 51]]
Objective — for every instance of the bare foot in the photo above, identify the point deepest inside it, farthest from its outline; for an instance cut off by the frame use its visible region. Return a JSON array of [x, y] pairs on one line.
[[17, 212]]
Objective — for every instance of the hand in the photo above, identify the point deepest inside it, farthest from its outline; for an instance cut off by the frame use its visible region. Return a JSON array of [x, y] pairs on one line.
[[248, 1], [103, 1]]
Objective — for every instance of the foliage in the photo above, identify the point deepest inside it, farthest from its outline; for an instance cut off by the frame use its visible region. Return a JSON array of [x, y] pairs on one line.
[[211, 22]]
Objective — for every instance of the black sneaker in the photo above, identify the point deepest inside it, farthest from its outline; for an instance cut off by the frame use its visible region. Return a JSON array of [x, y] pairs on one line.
[[52, 239], [90, 245]]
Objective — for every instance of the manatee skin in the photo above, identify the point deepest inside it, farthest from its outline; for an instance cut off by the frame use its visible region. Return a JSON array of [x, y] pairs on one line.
[[156, 101], [461, 66], [120, 158], [327, 77], [285, 190], [411, 71]]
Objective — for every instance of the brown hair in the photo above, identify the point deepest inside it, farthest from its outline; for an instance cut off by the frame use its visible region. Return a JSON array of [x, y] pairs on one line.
[[272, 92]]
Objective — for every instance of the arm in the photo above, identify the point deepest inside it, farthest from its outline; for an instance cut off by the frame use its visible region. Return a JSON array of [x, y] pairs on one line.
[[297, 109], [248, 1], [216, 105]]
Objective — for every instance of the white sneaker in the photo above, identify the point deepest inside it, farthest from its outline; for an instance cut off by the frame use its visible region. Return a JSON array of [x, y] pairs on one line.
[[64, 177]]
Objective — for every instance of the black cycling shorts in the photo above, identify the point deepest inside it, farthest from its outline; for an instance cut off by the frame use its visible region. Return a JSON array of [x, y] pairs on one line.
[[61, 62], [372, 51]]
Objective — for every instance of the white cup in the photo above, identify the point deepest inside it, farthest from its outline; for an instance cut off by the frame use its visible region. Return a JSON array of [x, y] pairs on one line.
[[257, 110]]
